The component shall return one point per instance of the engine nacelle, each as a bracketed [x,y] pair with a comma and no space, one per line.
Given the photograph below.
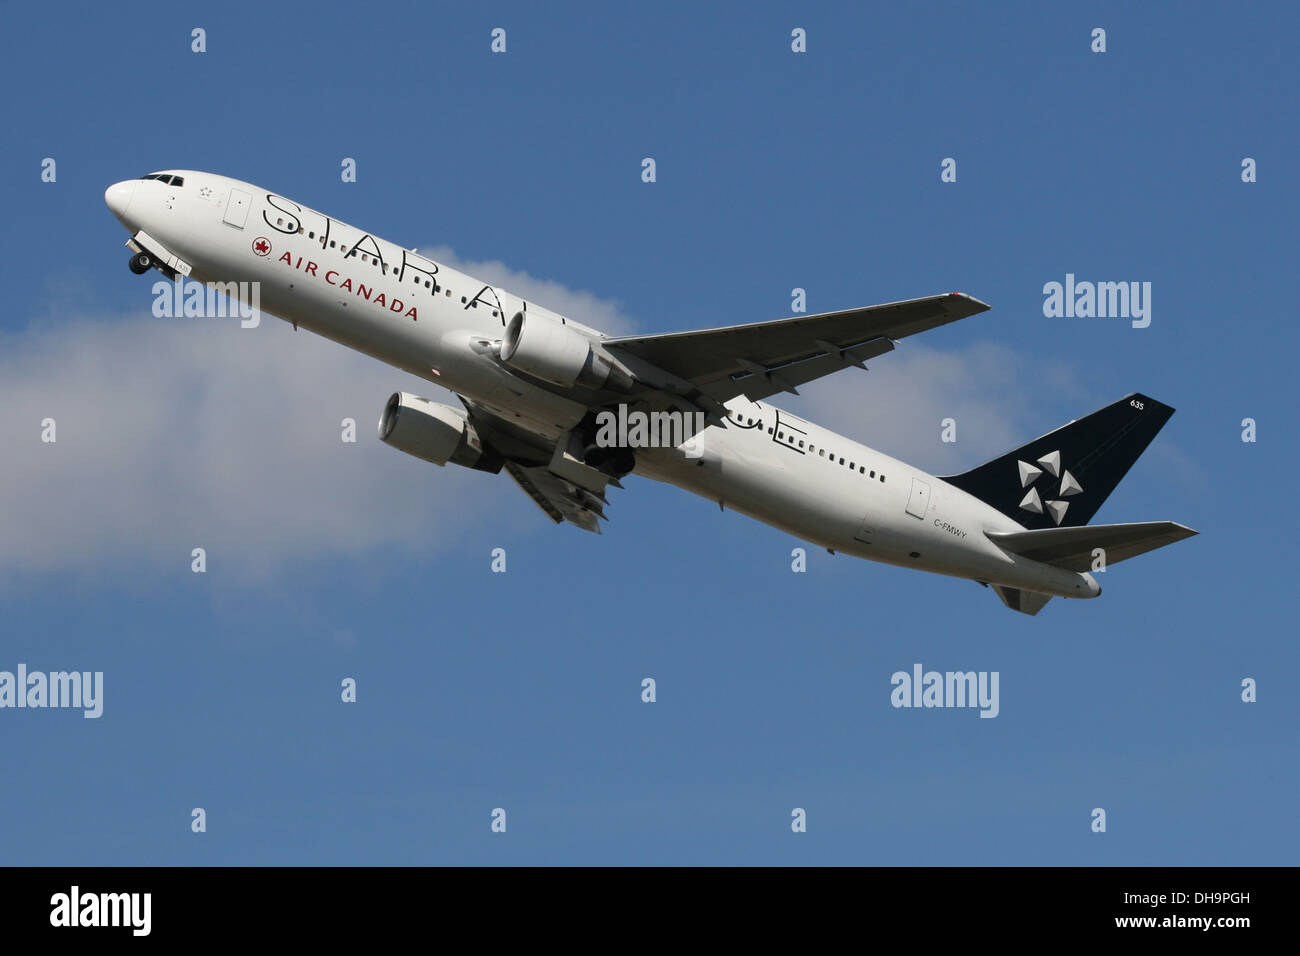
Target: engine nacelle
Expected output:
[434,432]
[555,353]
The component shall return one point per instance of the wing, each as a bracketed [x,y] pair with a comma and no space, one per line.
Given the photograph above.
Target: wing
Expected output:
[563,487]
[764,358]
[561,499]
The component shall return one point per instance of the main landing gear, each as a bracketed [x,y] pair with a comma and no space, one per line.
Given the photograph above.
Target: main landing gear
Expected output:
[140,263]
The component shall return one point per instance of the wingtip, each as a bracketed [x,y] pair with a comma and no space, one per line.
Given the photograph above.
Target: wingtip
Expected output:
[980,305]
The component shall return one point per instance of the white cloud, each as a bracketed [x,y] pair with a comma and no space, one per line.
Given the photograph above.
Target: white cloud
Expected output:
[182,433]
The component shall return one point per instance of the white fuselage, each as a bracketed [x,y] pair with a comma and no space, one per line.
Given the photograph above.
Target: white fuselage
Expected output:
[435,322]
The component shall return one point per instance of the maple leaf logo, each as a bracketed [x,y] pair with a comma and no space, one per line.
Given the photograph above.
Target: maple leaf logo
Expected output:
[1056,506]
[261,246]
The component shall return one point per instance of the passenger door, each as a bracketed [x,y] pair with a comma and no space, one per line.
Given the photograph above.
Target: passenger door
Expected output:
[919,500]
[237,207]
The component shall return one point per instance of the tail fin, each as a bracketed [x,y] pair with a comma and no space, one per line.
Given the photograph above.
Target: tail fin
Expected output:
[1062,478]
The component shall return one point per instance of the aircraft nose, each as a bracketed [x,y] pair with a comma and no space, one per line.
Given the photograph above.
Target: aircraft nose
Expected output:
[118,197]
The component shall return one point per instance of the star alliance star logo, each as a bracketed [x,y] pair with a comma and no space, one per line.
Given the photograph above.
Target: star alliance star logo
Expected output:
[1029,474]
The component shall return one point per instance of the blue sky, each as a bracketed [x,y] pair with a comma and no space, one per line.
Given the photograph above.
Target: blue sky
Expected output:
[521,690]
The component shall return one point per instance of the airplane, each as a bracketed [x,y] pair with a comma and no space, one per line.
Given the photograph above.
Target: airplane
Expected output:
[568,411]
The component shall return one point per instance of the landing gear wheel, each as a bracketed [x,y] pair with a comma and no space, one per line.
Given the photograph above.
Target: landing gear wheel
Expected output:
[141,263]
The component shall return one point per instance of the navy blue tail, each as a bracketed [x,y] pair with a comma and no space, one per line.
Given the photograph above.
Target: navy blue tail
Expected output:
[1061,479]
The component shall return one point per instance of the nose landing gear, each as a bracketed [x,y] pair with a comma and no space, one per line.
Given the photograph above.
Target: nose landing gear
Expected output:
[140,263]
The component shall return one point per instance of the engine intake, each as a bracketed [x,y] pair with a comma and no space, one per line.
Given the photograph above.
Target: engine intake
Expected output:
[434,432]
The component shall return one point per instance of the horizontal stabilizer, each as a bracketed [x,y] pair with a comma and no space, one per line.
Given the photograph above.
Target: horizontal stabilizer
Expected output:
[1072,548]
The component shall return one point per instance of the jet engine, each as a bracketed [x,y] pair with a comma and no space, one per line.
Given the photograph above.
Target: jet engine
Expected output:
[552,351]
[434,432]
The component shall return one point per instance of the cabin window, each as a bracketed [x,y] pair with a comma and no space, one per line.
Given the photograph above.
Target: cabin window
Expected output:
[873,473]
[462,300]
[769,431]
[851,466]
[331,243]
[822,453]
[311,235]
[841,461]
[801,444]
[882,477]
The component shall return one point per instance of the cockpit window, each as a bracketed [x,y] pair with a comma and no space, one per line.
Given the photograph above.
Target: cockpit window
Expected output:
[167,178]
